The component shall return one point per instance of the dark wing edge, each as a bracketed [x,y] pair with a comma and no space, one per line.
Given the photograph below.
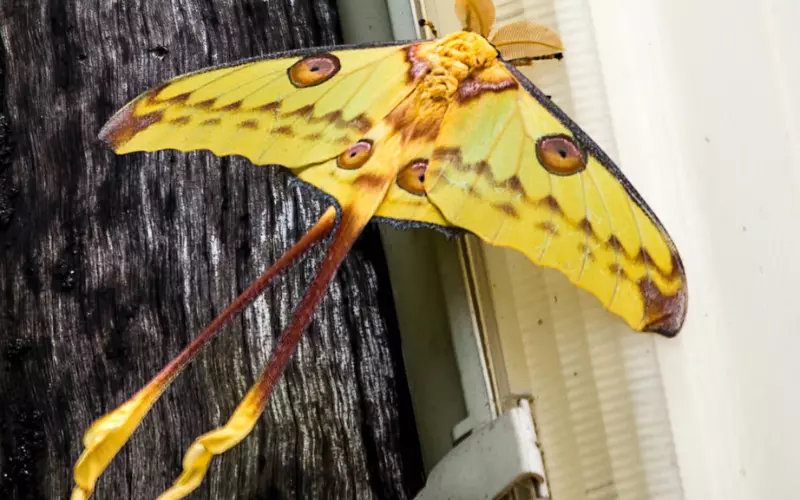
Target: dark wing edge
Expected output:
[673,308]
[105,134]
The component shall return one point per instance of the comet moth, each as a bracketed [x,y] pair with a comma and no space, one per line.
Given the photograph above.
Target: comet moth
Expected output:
[444,133]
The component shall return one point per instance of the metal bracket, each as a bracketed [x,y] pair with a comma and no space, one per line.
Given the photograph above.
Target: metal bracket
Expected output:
[490,462]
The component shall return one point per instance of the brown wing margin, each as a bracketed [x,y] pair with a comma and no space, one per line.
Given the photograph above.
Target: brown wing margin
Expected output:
[674,308]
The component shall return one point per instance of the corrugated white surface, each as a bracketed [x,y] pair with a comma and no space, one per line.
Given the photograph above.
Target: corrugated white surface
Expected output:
[706,103]
[700,104]
[600,406]
[599,403]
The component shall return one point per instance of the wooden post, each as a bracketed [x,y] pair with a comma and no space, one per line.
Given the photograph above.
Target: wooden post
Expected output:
[109,265]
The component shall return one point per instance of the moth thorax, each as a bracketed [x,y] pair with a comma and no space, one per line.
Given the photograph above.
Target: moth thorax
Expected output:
[469,50]
[453,60]
[440,84]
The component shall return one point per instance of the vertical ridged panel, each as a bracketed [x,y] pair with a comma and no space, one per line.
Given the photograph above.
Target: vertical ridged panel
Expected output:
[599,402]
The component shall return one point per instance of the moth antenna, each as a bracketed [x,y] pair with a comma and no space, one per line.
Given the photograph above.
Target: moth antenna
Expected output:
[557,56]
[109,433]
[425,23]
[528,61]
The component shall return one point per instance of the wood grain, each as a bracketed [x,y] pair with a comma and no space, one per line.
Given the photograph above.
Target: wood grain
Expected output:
[110,265]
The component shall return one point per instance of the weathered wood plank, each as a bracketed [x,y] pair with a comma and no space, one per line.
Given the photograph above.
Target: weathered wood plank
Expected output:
[110,265]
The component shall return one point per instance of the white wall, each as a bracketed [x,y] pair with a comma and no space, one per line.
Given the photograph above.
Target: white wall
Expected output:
[705,103]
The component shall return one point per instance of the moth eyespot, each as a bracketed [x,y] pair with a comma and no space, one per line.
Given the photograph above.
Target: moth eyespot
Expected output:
[355,155]
[313,70]
[560,154]
[411,178]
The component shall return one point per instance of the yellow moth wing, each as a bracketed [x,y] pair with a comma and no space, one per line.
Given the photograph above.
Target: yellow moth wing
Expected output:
[287,109]
[400,205]
[490,174]
[405,202]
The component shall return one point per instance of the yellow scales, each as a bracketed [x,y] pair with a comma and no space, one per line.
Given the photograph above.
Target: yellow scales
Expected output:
[438,133]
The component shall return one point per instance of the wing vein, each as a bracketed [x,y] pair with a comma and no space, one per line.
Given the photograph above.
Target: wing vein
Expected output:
[585,233]
[611,230]
[215,80]
[334,86]
[497,137]
[503,220]
[641,249]
[247,82]
[476,177]
[200,131]
[265,61]
[548,238]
